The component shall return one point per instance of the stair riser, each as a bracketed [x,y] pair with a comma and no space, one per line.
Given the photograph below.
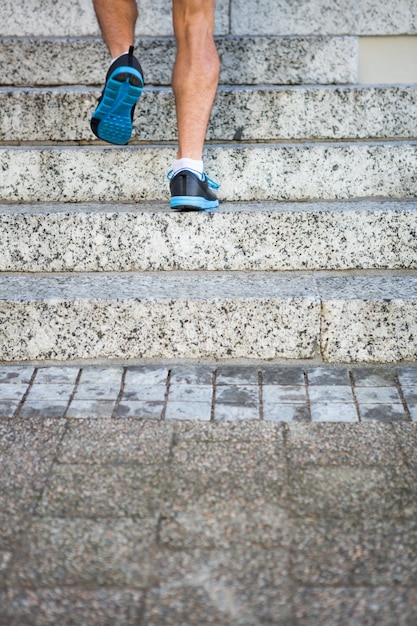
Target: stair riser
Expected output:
[245,114]
[266,239]
[270,172]
[296,60]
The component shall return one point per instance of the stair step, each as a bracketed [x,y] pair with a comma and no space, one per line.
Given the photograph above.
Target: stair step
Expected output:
[264,236]
[247,172]
[220,315]
[244,60]
[245,113]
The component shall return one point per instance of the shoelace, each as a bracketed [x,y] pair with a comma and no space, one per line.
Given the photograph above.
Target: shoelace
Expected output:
[211,183]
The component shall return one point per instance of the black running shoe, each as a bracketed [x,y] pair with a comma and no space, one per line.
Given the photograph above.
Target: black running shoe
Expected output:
[189,193]
[112,120]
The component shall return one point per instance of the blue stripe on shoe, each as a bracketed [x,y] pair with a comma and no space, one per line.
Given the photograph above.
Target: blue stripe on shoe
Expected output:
[114,112]
[193,202]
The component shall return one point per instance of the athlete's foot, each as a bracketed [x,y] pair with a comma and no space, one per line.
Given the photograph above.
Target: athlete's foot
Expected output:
[113,118]
[190,193]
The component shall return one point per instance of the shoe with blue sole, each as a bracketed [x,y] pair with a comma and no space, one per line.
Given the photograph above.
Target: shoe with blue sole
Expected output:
[190,193]
[112,121]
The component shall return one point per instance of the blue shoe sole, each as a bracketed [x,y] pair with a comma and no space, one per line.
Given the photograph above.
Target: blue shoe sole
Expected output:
[113,117]
[192,203]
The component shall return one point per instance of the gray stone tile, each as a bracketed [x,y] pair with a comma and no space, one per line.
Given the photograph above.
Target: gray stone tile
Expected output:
[190,410]
[16,374]
[116,441]
[8,408]
[91,408]
[44,409]
[410,395]
[374,376]
[62,552]
[335,492]
[331,393]
[56,374]
[345,444]
[145,375]
[97,375]
[332,412]
[13,391]
[243,395]
[234,412]
[377,395]
[140,409]
[382,412]
[96,391]
[50,391]
[237,375]
[413,411]
[144,393]
[283,376]
[286,412]
[328,376]
[407,376]
[192,375]
[331,606]
[288,394]
[71,607]
[190,393]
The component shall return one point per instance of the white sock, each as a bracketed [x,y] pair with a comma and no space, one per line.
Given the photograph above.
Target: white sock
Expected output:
[192,165]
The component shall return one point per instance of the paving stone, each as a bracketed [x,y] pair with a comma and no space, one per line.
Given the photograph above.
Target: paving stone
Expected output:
[90,408]
[325,376]
[223,524]
[335,492]
[8,408]
[242,395]
[191,375]
[96,391]
[288,394]
[144,393]
[357,445]
[377,395]
[13,391]
[406,435]
[96,375]
[255,432]
[44,409]
[283,376]
[140,409]
[382,412]
[349,606]
[374,377]
[116,442]
[16,374]
[241,585]
[407,376]
[190,393]
[331,394]
[413,411]
[89,491]
[49,391]
[235,375]
[16,506]
[142,375]
[410,394]
[286,412]
[188,410]
[57,553]
[71,607]
[56,374]
[332,412]
[235,412]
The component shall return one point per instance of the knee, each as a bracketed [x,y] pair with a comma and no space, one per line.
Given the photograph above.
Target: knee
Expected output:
[193,19]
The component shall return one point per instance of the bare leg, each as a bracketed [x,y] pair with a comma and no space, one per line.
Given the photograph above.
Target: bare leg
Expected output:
[117,20]
[196,73]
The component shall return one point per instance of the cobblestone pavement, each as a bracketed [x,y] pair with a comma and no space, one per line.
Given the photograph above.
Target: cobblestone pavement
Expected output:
[153,496]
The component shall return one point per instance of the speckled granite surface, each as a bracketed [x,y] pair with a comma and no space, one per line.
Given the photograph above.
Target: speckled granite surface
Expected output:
[269,236]
[77,18]
[242,113]
[287,17]
[244,60]
[203,315]
[245,172]
[148,315]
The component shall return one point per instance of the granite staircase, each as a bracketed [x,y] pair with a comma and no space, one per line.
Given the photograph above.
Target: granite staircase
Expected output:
[313,253]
